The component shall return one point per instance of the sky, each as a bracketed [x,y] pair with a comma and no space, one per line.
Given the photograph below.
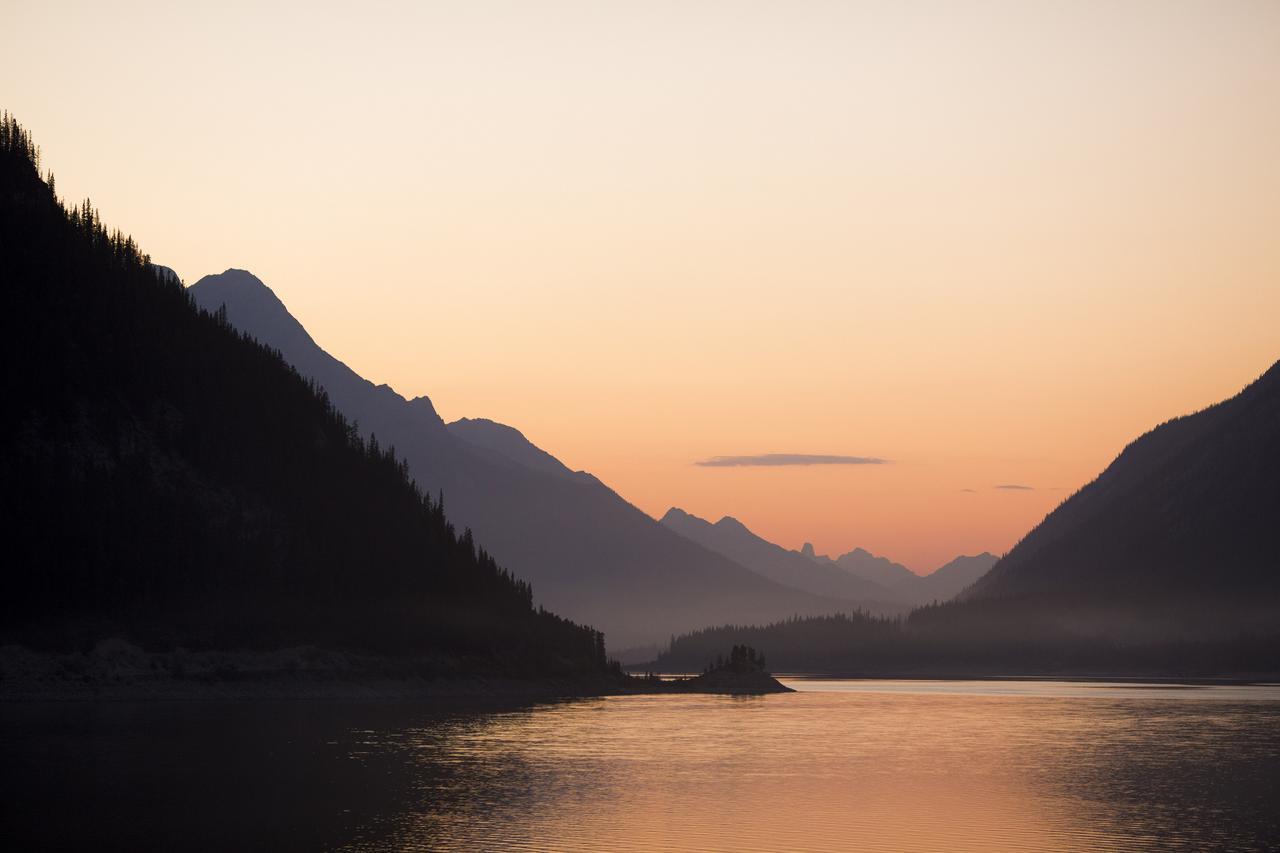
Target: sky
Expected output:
[970,245]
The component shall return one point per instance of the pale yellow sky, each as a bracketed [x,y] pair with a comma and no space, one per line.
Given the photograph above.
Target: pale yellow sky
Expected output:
[990,241]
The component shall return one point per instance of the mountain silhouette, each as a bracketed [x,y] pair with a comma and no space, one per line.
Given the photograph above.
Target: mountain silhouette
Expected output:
[170,482]
[949,580]
[879,570]
[1176,541]
[589,554]
[730,537]
[879,584]
[509,443]
[941,584]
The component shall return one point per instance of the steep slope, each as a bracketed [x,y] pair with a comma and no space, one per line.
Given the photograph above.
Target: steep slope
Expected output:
[510,444]
[1176,539]
[730,537]
[589,554]
[168,481]
[947,581]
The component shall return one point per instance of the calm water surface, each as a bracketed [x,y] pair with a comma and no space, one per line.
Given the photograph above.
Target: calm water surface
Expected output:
[868,765]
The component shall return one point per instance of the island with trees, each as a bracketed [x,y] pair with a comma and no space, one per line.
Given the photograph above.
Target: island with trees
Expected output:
[742,673]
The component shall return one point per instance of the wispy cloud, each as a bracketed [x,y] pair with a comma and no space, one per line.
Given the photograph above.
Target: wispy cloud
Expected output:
[970,491]
[779,459]
[1014,487]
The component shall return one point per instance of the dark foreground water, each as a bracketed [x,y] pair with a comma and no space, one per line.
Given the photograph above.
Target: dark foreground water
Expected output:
[865,765]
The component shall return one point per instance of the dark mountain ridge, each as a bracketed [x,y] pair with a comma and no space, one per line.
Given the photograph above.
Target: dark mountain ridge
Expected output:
[588,553]
[1177,539]
[1174,543]
[174,483]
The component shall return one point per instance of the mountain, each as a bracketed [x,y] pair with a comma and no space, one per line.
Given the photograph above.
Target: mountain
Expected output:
[904,585]
[588,553]
[807,550]
[879,584]
[1176,541]
[947,581]
[510,444]
[730,537]
[878,570]
[170,482]
[942,584]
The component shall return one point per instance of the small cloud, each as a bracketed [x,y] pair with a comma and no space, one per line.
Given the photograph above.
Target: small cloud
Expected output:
[970,491]
[778,459]
[1014,487]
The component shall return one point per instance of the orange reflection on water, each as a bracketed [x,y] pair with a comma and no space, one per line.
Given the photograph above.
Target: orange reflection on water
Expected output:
[884,766]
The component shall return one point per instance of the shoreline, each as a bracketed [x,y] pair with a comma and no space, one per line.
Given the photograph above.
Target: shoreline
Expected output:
[118,671]
[473,690]
[1244,680]
[1234,680]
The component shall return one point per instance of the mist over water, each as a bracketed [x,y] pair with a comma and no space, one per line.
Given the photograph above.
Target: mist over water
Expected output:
[871,765]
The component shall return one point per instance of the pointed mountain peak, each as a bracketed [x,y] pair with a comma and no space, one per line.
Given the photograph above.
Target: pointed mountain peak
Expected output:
[251,307]
[675,514]
[241,284]
[424,406]
[254,308]
[731,523]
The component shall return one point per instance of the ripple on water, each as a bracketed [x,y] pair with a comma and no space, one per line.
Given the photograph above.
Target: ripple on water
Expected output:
[858,765]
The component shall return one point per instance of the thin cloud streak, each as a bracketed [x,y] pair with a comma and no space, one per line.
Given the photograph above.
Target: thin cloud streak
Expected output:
[769,460]
[1014,487]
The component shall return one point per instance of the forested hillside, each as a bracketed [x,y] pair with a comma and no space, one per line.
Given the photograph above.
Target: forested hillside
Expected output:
[165,479]
[590,555]
[1177,540]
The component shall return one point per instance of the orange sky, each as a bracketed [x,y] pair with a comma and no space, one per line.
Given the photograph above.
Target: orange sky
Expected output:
[990,242]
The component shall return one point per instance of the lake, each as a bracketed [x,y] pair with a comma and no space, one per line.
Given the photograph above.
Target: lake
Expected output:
[867,765]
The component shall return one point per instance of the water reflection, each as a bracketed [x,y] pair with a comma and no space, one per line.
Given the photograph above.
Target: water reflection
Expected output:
[840,765]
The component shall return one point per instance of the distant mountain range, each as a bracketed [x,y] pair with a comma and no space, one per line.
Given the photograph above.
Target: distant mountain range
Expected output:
[1168,564]
[730,537]
[942,584]
[589,554]
[883,586]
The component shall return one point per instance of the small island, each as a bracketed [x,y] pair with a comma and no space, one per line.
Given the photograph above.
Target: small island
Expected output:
[742,673]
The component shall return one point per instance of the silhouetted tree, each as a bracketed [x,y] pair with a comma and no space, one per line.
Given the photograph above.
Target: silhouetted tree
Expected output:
[170,480]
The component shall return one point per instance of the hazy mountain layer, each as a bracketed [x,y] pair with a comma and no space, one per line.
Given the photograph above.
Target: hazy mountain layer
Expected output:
[730,537]
[588,553]
[879,570]
[882,586]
